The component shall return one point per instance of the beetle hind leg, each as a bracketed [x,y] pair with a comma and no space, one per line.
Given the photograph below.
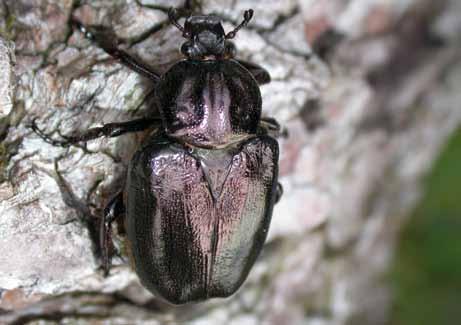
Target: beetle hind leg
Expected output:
[278,193]
[270,126]
[115,210]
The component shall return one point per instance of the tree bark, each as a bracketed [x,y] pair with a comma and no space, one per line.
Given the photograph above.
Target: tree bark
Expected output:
[367,90]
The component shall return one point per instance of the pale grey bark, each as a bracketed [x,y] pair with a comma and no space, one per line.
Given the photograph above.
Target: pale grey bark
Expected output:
[368,90]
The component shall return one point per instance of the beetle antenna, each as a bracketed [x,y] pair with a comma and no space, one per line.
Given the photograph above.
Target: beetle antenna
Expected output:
[173,17]
[246,19]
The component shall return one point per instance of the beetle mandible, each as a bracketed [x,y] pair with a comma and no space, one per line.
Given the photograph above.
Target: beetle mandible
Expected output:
[200,190]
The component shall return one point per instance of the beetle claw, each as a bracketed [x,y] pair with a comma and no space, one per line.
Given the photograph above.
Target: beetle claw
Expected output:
[46,137]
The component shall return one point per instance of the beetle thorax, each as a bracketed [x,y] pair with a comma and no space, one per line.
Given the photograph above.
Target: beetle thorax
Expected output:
[209,103]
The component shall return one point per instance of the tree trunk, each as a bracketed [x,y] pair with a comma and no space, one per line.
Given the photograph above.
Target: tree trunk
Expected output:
[367,90]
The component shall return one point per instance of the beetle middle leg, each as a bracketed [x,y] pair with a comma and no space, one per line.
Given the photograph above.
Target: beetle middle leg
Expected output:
[270,126]
[115,210]
[107,130]
[259,73]
[273,128]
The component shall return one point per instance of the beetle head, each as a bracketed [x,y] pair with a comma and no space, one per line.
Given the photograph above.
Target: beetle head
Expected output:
[205,36]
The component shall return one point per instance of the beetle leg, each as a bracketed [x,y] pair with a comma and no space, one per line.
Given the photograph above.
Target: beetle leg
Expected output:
[107,130]
[106,41]
[278,192]
[270,126]
[259,73]
[114,210]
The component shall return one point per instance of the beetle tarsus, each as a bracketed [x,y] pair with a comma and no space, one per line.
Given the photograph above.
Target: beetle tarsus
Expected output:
[114,210]
[82,29]
[84,214]
[46,137]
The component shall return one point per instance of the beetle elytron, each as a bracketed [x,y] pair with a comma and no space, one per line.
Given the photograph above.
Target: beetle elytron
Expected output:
[200,191]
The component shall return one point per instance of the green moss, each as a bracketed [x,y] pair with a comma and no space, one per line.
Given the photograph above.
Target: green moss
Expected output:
[427,271]
[8,31]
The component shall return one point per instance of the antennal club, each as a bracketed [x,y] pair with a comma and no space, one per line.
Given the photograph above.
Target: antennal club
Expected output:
[173,17]
[246,19]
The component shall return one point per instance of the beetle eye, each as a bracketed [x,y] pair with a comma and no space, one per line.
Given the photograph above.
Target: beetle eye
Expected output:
[230,50]
[185,49]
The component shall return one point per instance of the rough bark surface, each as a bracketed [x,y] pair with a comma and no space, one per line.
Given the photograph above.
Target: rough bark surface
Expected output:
[368,90]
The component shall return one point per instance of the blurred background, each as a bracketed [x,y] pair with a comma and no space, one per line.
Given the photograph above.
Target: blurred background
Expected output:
[426,274]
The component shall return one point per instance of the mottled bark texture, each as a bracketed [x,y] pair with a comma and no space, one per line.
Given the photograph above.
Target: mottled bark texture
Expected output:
[368,91]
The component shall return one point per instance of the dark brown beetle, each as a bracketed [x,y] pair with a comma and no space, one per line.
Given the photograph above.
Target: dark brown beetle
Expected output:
[201,189]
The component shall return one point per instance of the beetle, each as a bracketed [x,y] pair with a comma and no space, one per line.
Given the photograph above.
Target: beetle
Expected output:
[200,190]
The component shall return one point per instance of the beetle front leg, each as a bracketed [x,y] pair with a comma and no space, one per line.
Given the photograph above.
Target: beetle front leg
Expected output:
[106,41]
[107,130]
[190,5]
[113,211]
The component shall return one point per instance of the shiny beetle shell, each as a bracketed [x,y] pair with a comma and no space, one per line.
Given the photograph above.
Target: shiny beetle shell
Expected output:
[197,219]
[209,103]
[200,197]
